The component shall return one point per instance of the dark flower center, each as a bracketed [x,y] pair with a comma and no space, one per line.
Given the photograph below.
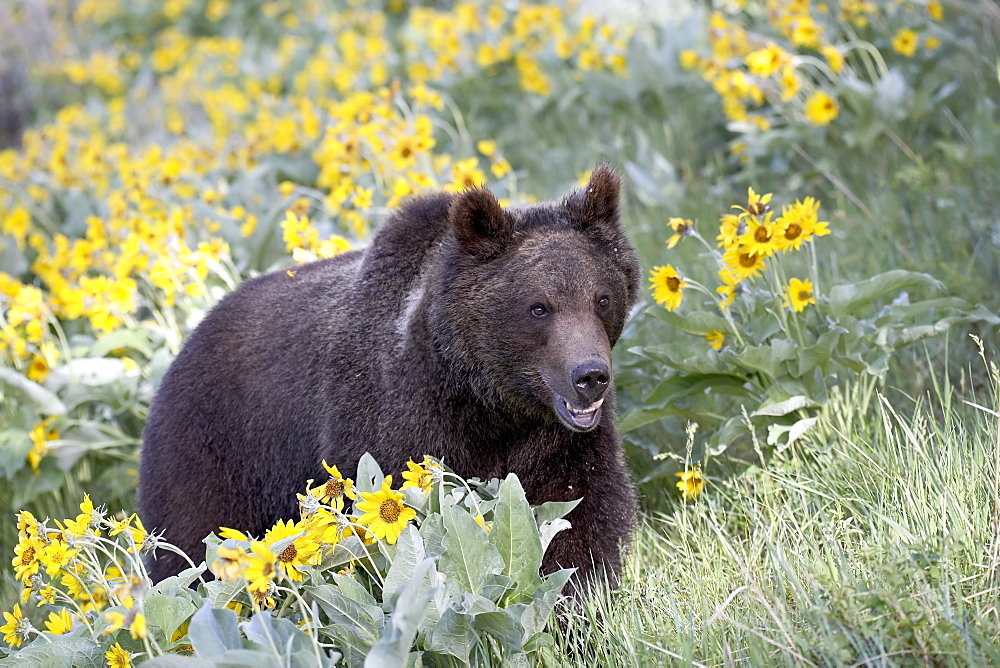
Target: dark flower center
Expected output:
[389,511]
[747,260]
[793,231]
[762,235]
[28,556]
[288,554]
[804,295]
[673,283]
[333,488]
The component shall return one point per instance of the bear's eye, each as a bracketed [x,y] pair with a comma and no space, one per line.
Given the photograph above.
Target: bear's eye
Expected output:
[604,301]
[539,310]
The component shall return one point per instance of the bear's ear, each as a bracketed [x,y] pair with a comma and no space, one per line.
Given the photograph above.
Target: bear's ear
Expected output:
[479,224]
[596,206]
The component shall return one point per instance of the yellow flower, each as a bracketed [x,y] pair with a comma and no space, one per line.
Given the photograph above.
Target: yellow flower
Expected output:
[118,657]
[799,294]
[259,569]
[935,10]
[691,482]
[905,42]
[729,230]
[756,204]
[17,628]
[821,108]
[131,619]
[228,565]
[765,62]
[932,43]
[759,238]
[420,475]
[716,339]
[56,555]
[59,623]
[333,491]
[681,228]
[303,551]
[799,223]
[384,512]
[667,286]
[833,57]
[741,264]
[26,554]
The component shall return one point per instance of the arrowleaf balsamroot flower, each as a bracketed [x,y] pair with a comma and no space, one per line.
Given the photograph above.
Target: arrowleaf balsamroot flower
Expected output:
[741,264]
[681,228]
[667,286]
[821,108]
[59,623]
[799,294]
[17,628]
[421,475]
[303,551]
[756,204]
[759,239]
[259,568]
[691,482]
[334,490]
[384,512]
[117,657]
[716,339]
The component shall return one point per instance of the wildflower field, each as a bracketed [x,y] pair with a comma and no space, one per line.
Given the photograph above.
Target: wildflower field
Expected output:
[808,391]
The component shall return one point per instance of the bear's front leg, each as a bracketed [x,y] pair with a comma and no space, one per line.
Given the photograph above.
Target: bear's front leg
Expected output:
[602,525]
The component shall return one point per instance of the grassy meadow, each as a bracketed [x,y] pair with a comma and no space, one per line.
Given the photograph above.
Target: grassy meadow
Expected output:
[808,390]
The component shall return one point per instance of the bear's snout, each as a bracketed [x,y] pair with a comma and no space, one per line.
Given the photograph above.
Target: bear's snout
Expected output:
[591,380]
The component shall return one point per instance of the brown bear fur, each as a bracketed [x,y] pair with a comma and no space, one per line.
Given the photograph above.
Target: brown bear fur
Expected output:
[458,333]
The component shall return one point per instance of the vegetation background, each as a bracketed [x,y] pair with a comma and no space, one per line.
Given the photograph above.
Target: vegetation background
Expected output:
[837,503]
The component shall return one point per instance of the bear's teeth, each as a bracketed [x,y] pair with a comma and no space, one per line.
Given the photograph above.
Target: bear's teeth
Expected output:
[584,411]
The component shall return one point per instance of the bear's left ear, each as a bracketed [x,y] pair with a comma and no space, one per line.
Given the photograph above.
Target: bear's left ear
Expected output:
[596,206]
[479,224]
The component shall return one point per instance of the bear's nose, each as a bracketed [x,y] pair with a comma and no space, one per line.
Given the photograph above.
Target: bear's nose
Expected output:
[591,380]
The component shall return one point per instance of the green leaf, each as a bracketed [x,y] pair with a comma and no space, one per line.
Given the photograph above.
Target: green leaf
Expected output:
[409,553]
[393,648]
[45,401]
[15,444]
[369,477]
[553,510]
[515,535]
[136,339]
[818,353]
[177,661]
[61,652]
[468,555]
[341,609]
[268,632]
[767,359]
[168,613]
[543,602]
[698,323]
[503,626]
[679,385]
[852,297]
[213,631]
[640,417]
[432,533]
[784,407]
[453,635]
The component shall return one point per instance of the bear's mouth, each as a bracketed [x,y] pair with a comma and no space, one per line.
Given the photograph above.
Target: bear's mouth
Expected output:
[577,418]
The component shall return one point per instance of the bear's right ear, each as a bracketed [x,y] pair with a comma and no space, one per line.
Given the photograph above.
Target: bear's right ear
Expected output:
[596,206]
[479,224]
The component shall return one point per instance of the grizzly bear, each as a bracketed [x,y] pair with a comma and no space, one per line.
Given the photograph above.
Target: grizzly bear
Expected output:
[474,333]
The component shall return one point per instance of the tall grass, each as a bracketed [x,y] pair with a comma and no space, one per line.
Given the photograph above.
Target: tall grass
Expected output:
[874,543]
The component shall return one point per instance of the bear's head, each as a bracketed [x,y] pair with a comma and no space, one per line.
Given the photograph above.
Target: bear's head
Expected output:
[535,298]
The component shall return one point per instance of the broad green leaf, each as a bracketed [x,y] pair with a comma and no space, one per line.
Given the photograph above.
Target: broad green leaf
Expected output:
[213,631]
[136,339]
[369,620]
[698,323]
[369,476]
[168,613]
[707,362]
[453,635]
[852,297]
[793,431]
[818,353]
[468,555]
[14,447]
[679,385]
[409,553]
[543,601]
[177,661]
[515,535]
[432,533]
[503,626]
[784,407]
[412,604]
[767,359]
[640,417]
[553,510]
[59,653]
[268,632]
[45,401]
